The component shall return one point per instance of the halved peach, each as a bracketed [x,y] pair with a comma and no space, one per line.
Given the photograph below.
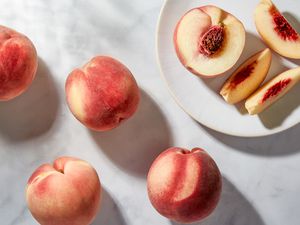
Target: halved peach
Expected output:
[247,78]
[272,91]
[209,40]
[276,31]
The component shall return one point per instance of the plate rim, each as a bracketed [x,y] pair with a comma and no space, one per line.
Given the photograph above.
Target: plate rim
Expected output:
[174,97]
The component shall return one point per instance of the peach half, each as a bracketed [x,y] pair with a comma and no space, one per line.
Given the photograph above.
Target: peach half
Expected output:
[102,94]
[18,63]
[183,185]
[209,40]
[272,91]
[276,31]
[247,78]
[65,193]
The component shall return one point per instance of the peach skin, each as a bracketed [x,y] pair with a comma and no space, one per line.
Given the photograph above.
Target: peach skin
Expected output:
[102,94]
[183,185]
[18,63]
[65,193]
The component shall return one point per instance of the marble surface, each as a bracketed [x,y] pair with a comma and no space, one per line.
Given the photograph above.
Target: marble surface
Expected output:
[261,175]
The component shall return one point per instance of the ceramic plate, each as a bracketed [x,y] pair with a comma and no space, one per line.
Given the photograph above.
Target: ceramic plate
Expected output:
[199,97]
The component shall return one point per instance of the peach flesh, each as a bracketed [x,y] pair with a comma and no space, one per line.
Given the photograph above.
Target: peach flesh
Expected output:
[247,78]
[242,75]
[102,94]
[276,31]
[208,40]
[184,185]
[276,89]
[272,91]
[18,63]
[282,26]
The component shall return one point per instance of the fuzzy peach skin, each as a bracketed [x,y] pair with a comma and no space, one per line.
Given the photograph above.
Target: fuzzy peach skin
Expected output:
[65,193]
[102,94]
[183,185]
[18,63]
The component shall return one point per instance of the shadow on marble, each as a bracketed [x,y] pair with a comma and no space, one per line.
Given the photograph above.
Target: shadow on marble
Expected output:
[136,143]
[109,213]
[276,145]
[233,209]
[32,113]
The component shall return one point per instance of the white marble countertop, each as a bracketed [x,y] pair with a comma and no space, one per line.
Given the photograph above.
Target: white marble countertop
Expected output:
[261,175]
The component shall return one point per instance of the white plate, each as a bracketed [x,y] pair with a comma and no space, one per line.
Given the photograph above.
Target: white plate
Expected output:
[199,97]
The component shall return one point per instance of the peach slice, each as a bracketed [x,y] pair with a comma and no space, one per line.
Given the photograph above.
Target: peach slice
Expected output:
[276,31]
[272,91]
[247,78]
[208,40]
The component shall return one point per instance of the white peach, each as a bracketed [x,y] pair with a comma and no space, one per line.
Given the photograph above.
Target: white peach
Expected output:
[65,193]
[208,40]
[184,185]
[102,94]
[276,31]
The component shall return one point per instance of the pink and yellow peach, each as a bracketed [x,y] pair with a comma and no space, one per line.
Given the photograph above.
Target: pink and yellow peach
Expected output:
[18,63]
[65,193]
[102,94]
[184,185]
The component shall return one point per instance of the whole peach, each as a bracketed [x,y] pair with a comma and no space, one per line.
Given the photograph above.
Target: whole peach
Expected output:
[18,63]
[183,185]
[65,193]
[102,94]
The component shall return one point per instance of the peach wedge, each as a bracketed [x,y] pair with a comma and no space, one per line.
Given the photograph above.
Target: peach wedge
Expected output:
[276,31]
[209,41]
[272,91]
[18,63]
[247,78]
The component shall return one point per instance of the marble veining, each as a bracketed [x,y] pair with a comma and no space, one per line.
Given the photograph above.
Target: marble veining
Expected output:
[261,175]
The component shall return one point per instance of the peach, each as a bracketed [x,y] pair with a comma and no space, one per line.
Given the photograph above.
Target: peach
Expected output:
[247,78]
[184,185]
[208,40]
[272,91]
[102,94]
[276,31]
[18,63]
[65,193]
